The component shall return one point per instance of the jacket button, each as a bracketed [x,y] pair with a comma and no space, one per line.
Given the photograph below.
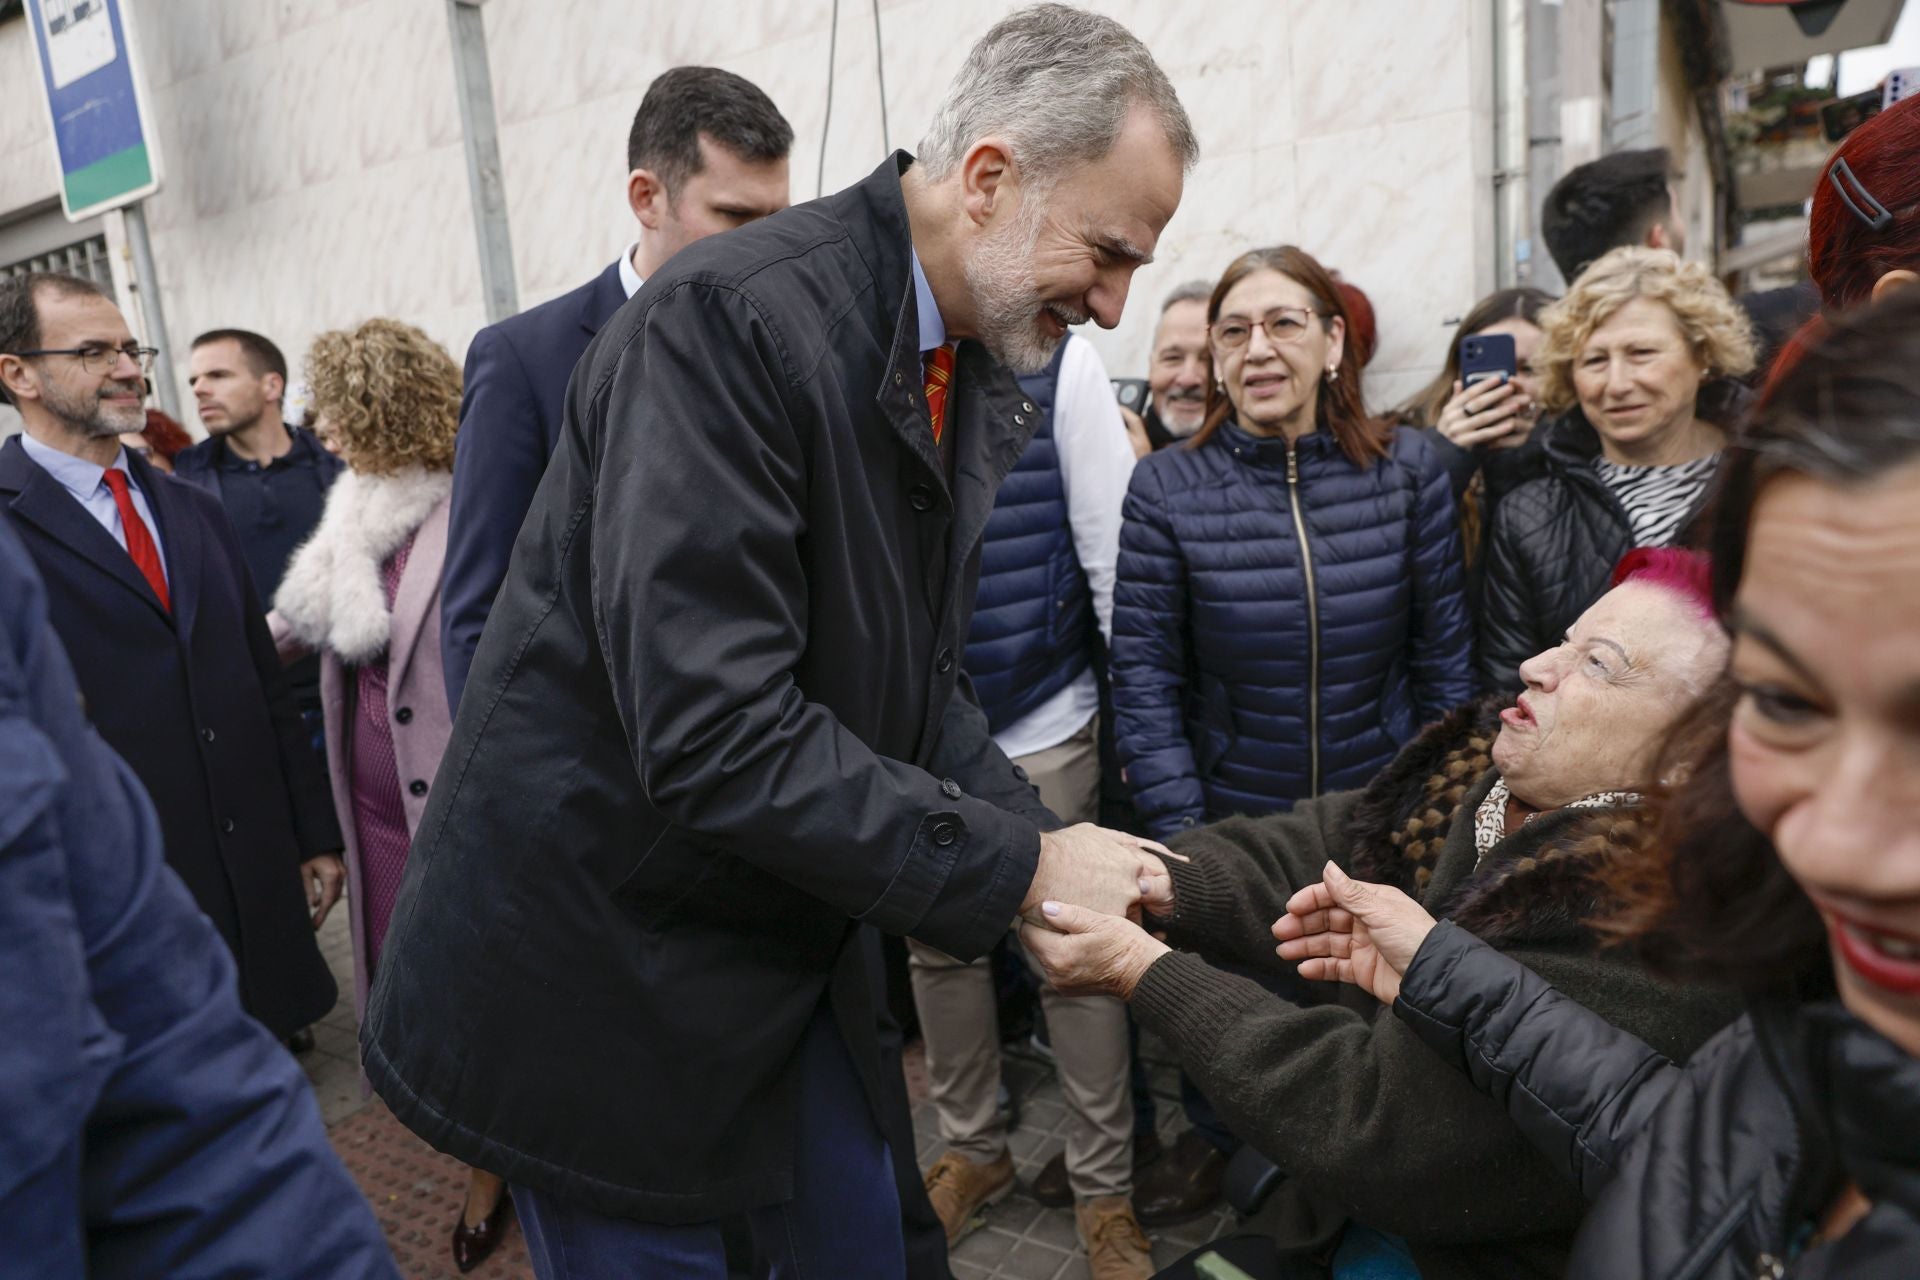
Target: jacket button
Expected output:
[944,663]
[1019,419]
[404,715]
[1188,822]
[1027,405]
[226,826]
[899,378]
[206,735]
[945,834]
[950,789]
[1019,773]
[417,787]
[920,498]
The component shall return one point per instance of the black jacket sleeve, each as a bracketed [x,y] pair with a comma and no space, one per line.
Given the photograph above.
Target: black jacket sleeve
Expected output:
[968,754]
[1577,1086]
[499,456]
[700,600]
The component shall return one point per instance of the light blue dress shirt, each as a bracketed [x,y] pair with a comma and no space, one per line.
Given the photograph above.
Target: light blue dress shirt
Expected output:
[86,481]
[933,330]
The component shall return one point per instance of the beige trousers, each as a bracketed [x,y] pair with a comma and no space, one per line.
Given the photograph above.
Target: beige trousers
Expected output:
[1089,1035]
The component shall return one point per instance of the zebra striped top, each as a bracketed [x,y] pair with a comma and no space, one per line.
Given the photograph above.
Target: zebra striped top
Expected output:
[1658,500]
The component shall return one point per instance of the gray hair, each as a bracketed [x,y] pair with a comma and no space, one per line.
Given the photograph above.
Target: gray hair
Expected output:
[1058,83]
[1191,291]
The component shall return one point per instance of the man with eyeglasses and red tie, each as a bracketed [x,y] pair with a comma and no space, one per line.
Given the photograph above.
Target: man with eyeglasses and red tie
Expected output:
[150,594]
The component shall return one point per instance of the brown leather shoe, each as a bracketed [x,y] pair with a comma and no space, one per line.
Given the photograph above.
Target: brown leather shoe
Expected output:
[1117,1248]
[474,1245]
[960,1189]
[1053,1189]
[1181,1185]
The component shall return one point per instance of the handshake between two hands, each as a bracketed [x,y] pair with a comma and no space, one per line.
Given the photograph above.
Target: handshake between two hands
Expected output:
[1082,918]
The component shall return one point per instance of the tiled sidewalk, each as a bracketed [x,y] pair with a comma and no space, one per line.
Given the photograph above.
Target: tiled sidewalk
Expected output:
[414,1191]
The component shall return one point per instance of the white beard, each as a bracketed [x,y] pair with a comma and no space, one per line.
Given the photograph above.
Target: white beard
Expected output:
[1006,302]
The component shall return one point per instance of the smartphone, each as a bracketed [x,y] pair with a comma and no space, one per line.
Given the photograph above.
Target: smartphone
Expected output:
[1487,355]
[1131,393]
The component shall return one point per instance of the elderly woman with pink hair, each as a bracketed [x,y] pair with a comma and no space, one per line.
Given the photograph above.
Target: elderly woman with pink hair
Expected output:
[1504,816]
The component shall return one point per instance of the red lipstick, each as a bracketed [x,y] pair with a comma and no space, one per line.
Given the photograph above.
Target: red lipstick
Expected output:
[1888,961]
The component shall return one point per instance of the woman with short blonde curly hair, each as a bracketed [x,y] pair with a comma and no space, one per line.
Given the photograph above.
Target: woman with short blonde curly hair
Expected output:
[1637,362]
[364,592]
[390,396]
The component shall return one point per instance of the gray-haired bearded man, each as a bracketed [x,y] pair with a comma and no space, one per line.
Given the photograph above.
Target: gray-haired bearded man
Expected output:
[716,724]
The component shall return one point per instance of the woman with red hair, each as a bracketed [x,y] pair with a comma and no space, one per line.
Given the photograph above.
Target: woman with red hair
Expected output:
[1863,237]
[1863,233]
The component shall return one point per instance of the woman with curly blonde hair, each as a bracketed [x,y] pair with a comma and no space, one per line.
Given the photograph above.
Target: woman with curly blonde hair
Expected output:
[364,593]
[1635,362]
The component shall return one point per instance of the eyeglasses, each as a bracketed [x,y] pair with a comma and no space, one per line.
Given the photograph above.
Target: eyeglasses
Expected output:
[99,358]
[1284,325]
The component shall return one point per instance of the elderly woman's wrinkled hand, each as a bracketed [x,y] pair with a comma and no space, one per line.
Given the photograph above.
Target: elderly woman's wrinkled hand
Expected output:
[1347,930]
[1087,953]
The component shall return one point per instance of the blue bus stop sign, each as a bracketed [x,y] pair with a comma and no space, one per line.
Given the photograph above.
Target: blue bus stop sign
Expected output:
[108,156]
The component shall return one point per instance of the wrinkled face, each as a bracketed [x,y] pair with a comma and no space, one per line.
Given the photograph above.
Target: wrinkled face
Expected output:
[230,392]
[1177,372]
[1067,254]
[728,192]
[1273,383]
[107,401]
[1636,376]
[1598,707]
[1526,345]
[1825,741]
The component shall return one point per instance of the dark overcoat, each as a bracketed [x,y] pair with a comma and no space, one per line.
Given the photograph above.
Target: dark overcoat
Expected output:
[715,720]
[196,702]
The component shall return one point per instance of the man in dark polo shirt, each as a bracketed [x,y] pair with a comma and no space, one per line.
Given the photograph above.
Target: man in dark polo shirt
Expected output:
[271,478]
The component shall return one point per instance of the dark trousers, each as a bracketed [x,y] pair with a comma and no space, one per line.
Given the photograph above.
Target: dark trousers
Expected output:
[843,1220]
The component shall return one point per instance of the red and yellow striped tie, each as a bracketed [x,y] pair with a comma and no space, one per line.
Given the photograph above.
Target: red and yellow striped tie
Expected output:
[939,375]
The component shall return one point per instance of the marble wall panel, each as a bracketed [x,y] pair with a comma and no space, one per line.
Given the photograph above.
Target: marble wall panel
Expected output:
[181,38]
[1393,209]
[1369,62]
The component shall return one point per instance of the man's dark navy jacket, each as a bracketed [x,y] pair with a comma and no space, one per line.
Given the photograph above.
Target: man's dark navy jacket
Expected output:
[516,386]
[151,1128]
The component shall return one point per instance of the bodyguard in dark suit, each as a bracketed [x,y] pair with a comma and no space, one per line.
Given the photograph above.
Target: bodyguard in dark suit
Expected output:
[707,153]
[717,722]
[151,597]
[151,1128]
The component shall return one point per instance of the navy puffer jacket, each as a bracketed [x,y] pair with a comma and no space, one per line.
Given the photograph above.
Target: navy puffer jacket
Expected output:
[1248,675]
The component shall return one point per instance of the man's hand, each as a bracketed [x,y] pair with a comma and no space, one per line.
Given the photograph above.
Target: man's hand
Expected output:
[1346,930]
[323,876]
[1084,953]
[1106,871]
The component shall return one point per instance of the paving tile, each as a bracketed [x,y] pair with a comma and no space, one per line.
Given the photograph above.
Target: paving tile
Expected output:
[1055,1227]
[987,1247]
[1030,1261]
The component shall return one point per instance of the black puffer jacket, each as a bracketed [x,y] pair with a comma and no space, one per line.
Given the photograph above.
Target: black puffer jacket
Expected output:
[1719,1170]
[1553,541]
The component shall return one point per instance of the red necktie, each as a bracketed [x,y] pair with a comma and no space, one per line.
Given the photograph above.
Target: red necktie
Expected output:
[146,556]
[939,374]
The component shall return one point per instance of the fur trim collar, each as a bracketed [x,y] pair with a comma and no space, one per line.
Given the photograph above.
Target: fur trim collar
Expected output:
[332,596]
[1538,884]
